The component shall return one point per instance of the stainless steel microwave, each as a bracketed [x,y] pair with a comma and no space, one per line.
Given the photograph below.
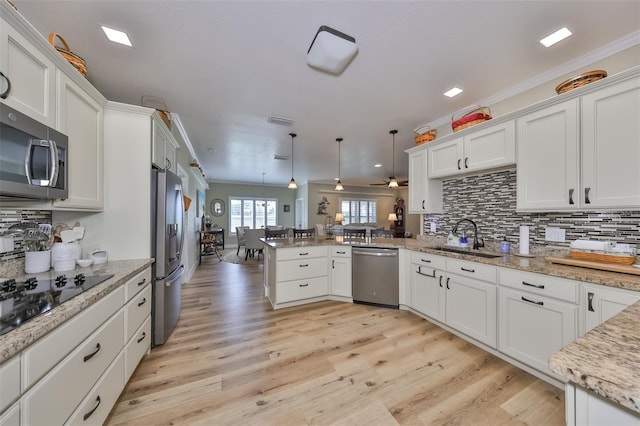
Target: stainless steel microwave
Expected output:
[33,158]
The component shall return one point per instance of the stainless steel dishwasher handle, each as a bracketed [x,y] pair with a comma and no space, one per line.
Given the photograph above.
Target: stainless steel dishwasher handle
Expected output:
[376,254]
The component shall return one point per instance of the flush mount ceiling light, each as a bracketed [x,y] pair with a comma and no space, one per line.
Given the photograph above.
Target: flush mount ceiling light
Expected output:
[116,36]
[557,36]
[339,186]
[331,50]
[393,182]
[453,92]
[292,182]
[282,121]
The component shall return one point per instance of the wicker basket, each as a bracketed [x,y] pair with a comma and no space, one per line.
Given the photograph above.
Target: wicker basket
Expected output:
[425,134]
[580,80]
[75,60]
[159,105]
[603,257]
[471,118]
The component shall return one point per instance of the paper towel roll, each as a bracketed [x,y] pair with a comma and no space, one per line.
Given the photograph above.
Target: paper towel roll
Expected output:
[524,240]
[591,245]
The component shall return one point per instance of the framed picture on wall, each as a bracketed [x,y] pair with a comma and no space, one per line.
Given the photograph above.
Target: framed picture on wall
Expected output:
[199,203]
[287,208]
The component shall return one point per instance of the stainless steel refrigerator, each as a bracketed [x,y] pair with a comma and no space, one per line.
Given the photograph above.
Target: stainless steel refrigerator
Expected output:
[167,238]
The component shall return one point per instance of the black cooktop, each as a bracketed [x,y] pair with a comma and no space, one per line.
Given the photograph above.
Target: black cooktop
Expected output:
[22,300]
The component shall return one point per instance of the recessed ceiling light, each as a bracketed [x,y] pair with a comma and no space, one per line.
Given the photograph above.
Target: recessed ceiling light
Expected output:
[377,165]
[453,92]
[117,36]
[559,35]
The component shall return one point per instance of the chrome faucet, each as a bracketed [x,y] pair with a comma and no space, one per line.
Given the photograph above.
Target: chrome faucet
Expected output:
[476,244]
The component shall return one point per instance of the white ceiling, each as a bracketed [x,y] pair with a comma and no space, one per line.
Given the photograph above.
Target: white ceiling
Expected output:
[225,66]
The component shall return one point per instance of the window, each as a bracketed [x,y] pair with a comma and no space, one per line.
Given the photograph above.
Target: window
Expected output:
[252,212]
[358,211]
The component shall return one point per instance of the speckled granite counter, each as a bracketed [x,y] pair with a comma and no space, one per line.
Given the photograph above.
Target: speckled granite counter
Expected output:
[533,264]
[606,360]
[16,340]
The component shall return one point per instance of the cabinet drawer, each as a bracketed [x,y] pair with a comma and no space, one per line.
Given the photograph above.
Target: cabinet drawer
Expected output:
[47,352]
[546,285]
[11,417]
[136,311]
[137,347]
[9,382]
[303,268]
[341,251]
[301,253]
[472,269]
[56,396]
[301,289]
[95,408]
[137,283]
[428,259]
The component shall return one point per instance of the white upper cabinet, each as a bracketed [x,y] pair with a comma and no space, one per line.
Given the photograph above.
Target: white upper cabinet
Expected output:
[81,118]
[164,146]
[611,146]
[583,153]
[425,195]
[547,171]
[488,148]
[31,73]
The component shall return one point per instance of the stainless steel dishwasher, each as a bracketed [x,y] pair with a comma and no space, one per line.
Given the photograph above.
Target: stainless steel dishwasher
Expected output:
[375,276]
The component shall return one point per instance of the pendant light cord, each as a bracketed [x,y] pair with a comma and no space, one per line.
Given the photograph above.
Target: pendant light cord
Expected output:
[393,153]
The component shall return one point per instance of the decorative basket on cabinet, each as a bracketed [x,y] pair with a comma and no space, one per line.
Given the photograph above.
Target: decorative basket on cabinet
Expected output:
[425,134]
[580,80]
[75,60]
[475,116]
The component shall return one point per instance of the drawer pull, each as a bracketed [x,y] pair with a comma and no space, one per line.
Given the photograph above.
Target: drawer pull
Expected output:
[144,334]
[93,410]
[92,354]
[571,196]
[532,301]
[586,196]
[303,265]
[341,252]
[144,280]
[468,270]
[590,298]
[540,286]
[419,271]
[144,300]
[303,285]
[333,264]
[425,260]
[303,254]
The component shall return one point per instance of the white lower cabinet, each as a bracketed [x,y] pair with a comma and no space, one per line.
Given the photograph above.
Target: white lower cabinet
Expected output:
[9,382]
[137,346]
[340,271]
[602,303]
[586,408]
[427,291]
[11,417]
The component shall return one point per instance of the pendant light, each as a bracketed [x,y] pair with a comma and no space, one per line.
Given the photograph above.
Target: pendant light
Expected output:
[339,186]
[292,182]
[393,182]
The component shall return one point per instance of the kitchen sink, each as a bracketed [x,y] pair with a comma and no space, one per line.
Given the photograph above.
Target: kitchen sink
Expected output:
[468,252]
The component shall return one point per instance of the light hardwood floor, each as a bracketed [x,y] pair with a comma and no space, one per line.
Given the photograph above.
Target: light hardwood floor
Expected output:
[232,360]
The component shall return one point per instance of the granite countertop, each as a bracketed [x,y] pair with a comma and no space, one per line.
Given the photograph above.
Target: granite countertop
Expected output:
[606,360]
[429,245]
[16,340]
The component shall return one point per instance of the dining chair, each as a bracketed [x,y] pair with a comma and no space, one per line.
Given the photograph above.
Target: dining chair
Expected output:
[253,242]
[320,230]
[381,233]
[304,233]
[242,238]
[354,233]
[272,234]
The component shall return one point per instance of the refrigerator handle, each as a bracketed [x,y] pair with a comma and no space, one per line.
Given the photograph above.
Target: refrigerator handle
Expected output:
[181,219]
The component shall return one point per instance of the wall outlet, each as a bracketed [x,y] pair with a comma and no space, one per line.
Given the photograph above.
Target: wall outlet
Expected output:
[432,227]
[6,244]
[554,234]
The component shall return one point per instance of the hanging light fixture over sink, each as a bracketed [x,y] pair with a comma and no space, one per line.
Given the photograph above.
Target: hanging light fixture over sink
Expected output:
[292,182]
[393,182]
[339,186]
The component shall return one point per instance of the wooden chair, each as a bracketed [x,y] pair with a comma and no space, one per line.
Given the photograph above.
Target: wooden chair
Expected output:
[242,238]
[354,233]
[273,234]
[304,233]
[253,242]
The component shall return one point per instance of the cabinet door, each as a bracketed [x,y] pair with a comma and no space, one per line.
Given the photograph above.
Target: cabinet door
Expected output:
[533,327]
[445,159]
[32,76]
[425,195]
[81,118]
[548,156]
[427,291]
[471,308]
[611,147]
[341,276]
[490,148]
[157,147]
[592,409]
[601,304]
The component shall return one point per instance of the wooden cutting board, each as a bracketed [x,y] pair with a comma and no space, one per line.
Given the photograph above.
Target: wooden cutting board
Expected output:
[612,267]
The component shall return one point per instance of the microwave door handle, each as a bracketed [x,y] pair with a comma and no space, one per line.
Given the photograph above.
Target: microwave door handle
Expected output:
[53,156]
[28,160]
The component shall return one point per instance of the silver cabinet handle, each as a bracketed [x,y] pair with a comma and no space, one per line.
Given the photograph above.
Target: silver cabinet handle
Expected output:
[540,286]
[144,300]
[144,334]
[586,195]
[590,298]
[93,410]
[532,301]
[571,196]
[92,354]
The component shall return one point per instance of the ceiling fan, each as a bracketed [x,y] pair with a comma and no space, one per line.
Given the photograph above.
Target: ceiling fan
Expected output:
[393,182]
